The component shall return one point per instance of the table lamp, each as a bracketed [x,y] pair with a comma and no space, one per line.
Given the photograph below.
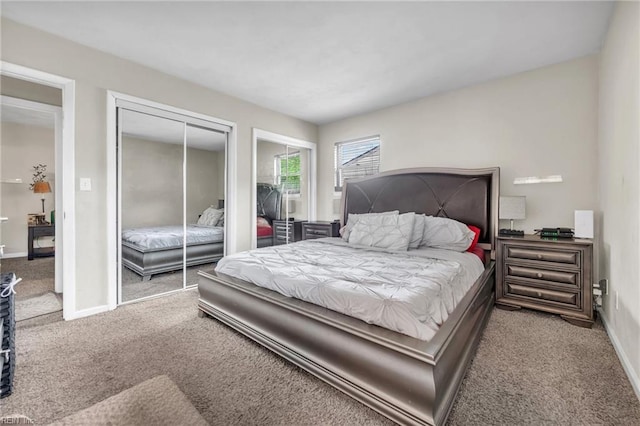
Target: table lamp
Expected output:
[41,188]
[512,208]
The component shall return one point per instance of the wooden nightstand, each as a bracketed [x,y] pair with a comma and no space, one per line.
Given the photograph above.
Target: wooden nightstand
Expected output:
[548,275]
[320,229]
[287,231]
[35,231]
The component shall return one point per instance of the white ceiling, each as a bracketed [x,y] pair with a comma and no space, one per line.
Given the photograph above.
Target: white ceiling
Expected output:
[326,61]
[149,127]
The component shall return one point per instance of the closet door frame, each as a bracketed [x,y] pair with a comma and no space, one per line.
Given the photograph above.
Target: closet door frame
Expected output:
[259,134]
[116,100]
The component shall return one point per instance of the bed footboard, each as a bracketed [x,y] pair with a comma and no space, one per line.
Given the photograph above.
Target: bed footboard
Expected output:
[407,380]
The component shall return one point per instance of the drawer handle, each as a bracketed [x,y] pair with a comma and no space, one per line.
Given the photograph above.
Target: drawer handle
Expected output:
[539,256]
[539,294]
[539,275]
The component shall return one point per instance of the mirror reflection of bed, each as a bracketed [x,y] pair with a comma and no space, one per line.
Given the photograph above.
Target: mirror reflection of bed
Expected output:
[171,181]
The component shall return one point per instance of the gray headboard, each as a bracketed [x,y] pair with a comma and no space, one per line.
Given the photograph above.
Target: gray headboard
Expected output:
[468,195]
[269,201]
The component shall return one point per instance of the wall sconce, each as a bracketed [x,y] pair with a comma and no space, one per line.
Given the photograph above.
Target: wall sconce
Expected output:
[537,179]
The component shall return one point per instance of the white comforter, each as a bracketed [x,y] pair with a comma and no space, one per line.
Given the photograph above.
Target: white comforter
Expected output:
[161,237]
[409,292]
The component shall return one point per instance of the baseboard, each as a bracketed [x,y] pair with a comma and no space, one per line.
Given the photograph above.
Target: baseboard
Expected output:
[87,312]
[12,255]
[626,364]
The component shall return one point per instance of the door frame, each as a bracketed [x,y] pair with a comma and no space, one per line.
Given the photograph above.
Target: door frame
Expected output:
[259,134]
[113,204]
[65,231]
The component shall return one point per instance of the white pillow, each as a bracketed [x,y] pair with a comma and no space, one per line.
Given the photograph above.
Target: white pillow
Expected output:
[210,217]
[392,232]
[353,218]
[418,231]
[445,233]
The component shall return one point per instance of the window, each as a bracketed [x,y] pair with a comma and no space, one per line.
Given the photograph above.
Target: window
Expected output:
[355,159]
[287,172]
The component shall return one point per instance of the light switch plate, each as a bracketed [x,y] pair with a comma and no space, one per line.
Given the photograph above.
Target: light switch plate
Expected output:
[85,184]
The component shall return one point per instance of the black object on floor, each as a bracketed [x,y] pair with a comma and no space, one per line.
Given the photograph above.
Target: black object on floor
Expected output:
[7,334]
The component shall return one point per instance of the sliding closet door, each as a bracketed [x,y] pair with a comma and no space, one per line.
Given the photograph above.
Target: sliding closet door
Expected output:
[151,151]
[204,191]
[284,170]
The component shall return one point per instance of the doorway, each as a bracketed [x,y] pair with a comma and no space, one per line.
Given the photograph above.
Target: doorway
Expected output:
[32,89]
[171,197]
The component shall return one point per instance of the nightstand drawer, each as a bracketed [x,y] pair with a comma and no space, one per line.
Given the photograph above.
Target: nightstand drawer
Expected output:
[572,278]
[311,230]
[543,294]
[568,257]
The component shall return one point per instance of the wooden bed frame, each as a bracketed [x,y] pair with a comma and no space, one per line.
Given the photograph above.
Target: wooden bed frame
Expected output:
[407,380]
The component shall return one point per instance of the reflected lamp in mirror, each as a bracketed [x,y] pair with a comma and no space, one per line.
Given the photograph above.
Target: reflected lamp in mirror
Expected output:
[291,206]
[41,188]
[512,208]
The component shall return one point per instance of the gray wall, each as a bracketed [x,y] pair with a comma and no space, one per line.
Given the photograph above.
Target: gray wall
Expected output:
[152,190]
[22,89]
[537,123]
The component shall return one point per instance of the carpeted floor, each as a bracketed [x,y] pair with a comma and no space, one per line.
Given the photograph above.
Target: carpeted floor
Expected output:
[531,368]
[38,280]
[134,288]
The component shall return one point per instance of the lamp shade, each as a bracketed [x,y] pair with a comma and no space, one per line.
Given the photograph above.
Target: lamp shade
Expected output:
[41,187]
[512,208]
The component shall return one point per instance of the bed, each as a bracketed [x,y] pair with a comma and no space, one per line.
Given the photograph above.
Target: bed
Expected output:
[409,380]
[155,250]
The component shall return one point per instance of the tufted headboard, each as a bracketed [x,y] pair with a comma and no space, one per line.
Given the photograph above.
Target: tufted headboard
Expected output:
[269,201]
[467,195]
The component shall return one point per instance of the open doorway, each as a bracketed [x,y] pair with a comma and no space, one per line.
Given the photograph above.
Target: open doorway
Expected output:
[30,85]
[31,137]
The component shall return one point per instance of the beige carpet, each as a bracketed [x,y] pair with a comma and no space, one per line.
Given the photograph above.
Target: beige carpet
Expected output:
[157,401]
[36,306]
[531,368]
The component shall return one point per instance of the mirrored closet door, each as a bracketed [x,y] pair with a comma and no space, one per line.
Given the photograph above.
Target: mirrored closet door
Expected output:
[171,172]
[283,190]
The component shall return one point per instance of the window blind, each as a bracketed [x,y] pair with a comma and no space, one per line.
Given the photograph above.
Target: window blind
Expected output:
[356,159]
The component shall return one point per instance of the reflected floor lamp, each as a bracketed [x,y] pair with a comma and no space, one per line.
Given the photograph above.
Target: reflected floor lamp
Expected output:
[41,188]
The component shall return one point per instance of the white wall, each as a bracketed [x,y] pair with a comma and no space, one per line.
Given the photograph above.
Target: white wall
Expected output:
[24,146]
[95,73]
[541,122]
[619,181]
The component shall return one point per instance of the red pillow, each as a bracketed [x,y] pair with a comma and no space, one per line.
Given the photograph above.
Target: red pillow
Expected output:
[476,237]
